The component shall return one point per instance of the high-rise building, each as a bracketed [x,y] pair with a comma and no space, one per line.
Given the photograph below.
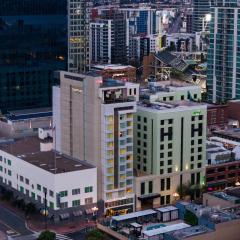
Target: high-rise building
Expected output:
[200,9]
[33,44]
[223,75]
[94,121]
[78,35]
[169,142]
[142,20]
[101,41]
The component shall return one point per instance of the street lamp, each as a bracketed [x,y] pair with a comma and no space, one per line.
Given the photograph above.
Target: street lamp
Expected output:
[94,210]
[44,212]
[237,184]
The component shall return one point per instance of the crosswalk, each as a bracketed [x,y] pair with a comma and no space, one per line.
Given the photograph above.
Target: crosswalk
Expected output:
[62,237]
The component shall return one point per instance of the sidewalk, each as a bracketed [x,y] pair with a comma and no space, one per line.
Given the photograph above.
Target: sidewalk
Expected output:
[36,223]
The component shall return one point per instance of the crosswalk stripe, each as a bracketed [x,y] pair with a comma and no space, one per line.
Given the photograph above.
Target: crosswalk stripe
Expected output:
[62,237]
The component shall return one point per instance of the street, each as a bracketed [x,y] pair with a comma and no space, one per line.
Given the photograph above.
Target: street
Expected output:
[11,224]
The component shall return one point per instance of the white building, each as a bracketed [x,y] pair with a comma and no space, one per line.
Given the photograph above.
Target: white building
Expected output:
[27,170]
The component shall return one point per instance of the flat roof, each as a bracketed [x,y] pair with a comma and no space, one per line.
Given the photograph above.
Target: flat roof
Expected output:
[29,113]
[28,149]
[188,232]
[112,66]
[161,105]
[133,215]
[233,133]
[166,209]
[161,230]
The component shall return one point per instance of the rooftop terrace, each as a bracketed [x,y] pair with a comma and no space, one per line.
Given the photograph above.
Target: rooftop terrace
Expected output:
[28,149]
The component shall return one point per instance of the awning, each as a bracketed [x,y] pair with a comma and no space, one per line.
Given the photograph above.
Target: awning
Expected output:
[77,213]
[64,216]
[89,211]
[149,196]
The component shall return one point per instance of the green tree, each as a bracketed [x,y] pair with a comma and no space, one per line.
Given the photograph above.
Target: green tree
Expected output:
[47,235]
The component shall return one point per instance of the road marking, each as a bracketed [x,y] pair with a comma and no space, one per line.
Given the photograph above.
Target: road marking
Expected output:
[11,229]
[62,237]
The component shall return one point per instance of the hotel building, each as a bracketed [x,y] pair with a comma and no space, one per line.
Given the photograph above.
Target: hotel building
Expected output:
[94,121]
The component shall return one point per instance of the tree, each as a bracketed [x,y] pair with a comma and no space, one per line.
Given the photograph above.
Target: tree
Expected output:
[47,235]
[30,208]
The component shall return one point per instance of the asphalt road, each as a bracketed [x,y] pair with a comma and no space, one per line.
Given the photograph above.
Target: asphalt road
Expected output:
[11,224]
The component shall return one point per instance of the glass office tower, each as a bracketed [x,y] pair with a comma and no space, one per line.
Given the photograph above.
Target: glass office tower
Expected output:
[223,76]
[33,44]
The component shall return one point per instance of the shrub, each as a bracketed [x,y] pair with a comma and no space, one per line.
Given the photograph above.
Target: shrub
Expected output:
[47,235]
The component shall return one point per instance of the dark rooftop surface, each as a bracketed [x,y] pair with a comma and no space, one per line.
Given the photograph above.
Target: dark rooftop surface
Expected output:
[232,133]
[28,149]
[29,113]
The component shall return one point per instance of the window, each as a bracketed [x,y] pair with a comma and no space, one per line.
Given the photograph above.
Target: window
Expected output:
[139,126]
[64,205]
[88,189]
[192,150]
[21,189]
[162,184]
[39,198]
[169,170]
[199,165]
[169,154]
[199,157]
[170,145]
[21,178]
[88,200]
[145,119]
[169,162]
[1,168]
[144,136]
[142,188]
[192,166]
[161,163]
[182,97]
[33,195]
[63,193]
[44,190]
[144,144]
[162,200]
[168,184]
[161,171]
[9,173]
[192,142]
[162,122]
[144,152]
[76,191]
[167,199]
[9,162]
[51,194]
[199,141]
[161,146]
[51,205]
[139,118]
[161,155]
[192,178]
[170,121]
[150,186]
[27,181]
[192,158]
[76,203]
[200,149]
[39,188]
